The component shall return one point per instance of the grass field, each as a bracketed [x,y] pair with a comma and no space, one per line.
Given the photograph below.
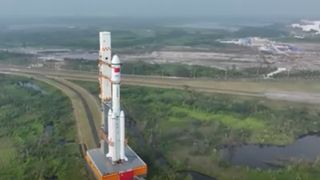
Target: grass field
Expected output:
[8,152]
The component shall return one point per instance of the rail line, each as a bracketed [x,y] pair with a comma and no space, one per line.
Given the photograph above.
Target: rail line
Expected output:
[87,109]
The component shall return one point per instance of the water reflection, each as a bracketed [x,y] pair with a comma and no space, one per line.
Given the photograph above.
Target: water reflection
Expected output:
[306,148]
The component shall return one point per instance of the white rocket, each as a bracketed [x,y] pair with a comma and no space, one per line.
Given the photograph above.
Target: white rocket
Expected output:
[110,79]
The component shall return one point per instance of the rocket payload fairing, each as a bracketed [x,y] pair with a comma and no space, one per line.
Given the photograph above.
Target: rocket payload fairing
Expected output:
[113,118]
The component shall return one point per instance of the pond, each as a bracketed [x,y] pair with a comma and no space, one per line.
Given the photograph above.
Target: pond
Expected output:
[306,148]
[32,86]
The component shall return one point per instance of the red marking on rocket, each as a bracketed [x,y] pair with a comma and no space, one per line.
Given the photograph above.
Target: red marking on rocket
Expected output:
[116,70]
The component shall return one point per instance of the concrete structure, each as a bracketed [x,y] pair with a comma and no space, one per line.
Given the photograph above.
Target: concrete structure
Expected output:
[308,26]
[278,71]
[114,160]
[264,45]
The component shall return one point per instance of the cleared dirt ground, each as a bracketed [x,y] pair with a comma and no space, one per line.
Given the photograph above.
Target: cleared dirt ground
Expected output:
[306,59]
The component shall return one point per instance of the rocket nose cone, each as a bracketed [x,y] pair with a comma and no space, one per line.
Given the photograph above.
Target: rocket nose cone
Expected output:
[115,59]
[121,114]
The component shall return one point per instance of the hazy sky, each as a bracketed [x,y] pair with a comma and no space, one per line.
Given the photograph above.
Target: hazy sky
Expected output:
[155,8]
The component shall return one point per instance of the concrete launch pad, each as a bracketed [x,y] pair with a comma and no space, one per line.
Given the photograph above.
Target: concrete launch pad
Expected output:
[105,170]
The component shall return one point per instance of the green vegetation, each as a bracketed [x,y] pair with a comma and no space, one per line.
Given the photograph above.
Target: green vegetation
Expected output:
[175,70]
[51,37]
[271,31]
[15,58]
[308,38]
[176,125]
[243,120]
[37,132]
[132,39]
[135,38]
[191,71]
[178,70]
[81,65]
[303,74]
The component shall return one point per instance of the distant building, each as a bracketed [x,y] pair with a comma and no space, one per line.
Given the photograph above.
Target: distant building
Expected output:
[308,26]
[264,45]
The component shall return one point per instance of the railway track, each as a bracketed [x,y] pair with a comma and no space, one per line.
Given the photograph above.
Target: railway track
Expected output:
[88,112]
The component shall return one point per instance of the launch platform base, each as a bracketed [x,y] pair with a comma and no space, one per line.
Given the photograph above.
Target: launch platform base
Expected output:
[104,169]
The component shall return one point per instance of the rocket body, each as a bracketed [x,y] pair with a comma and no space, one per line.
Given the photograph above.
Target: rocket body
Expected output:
[110,79]
[116,132]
